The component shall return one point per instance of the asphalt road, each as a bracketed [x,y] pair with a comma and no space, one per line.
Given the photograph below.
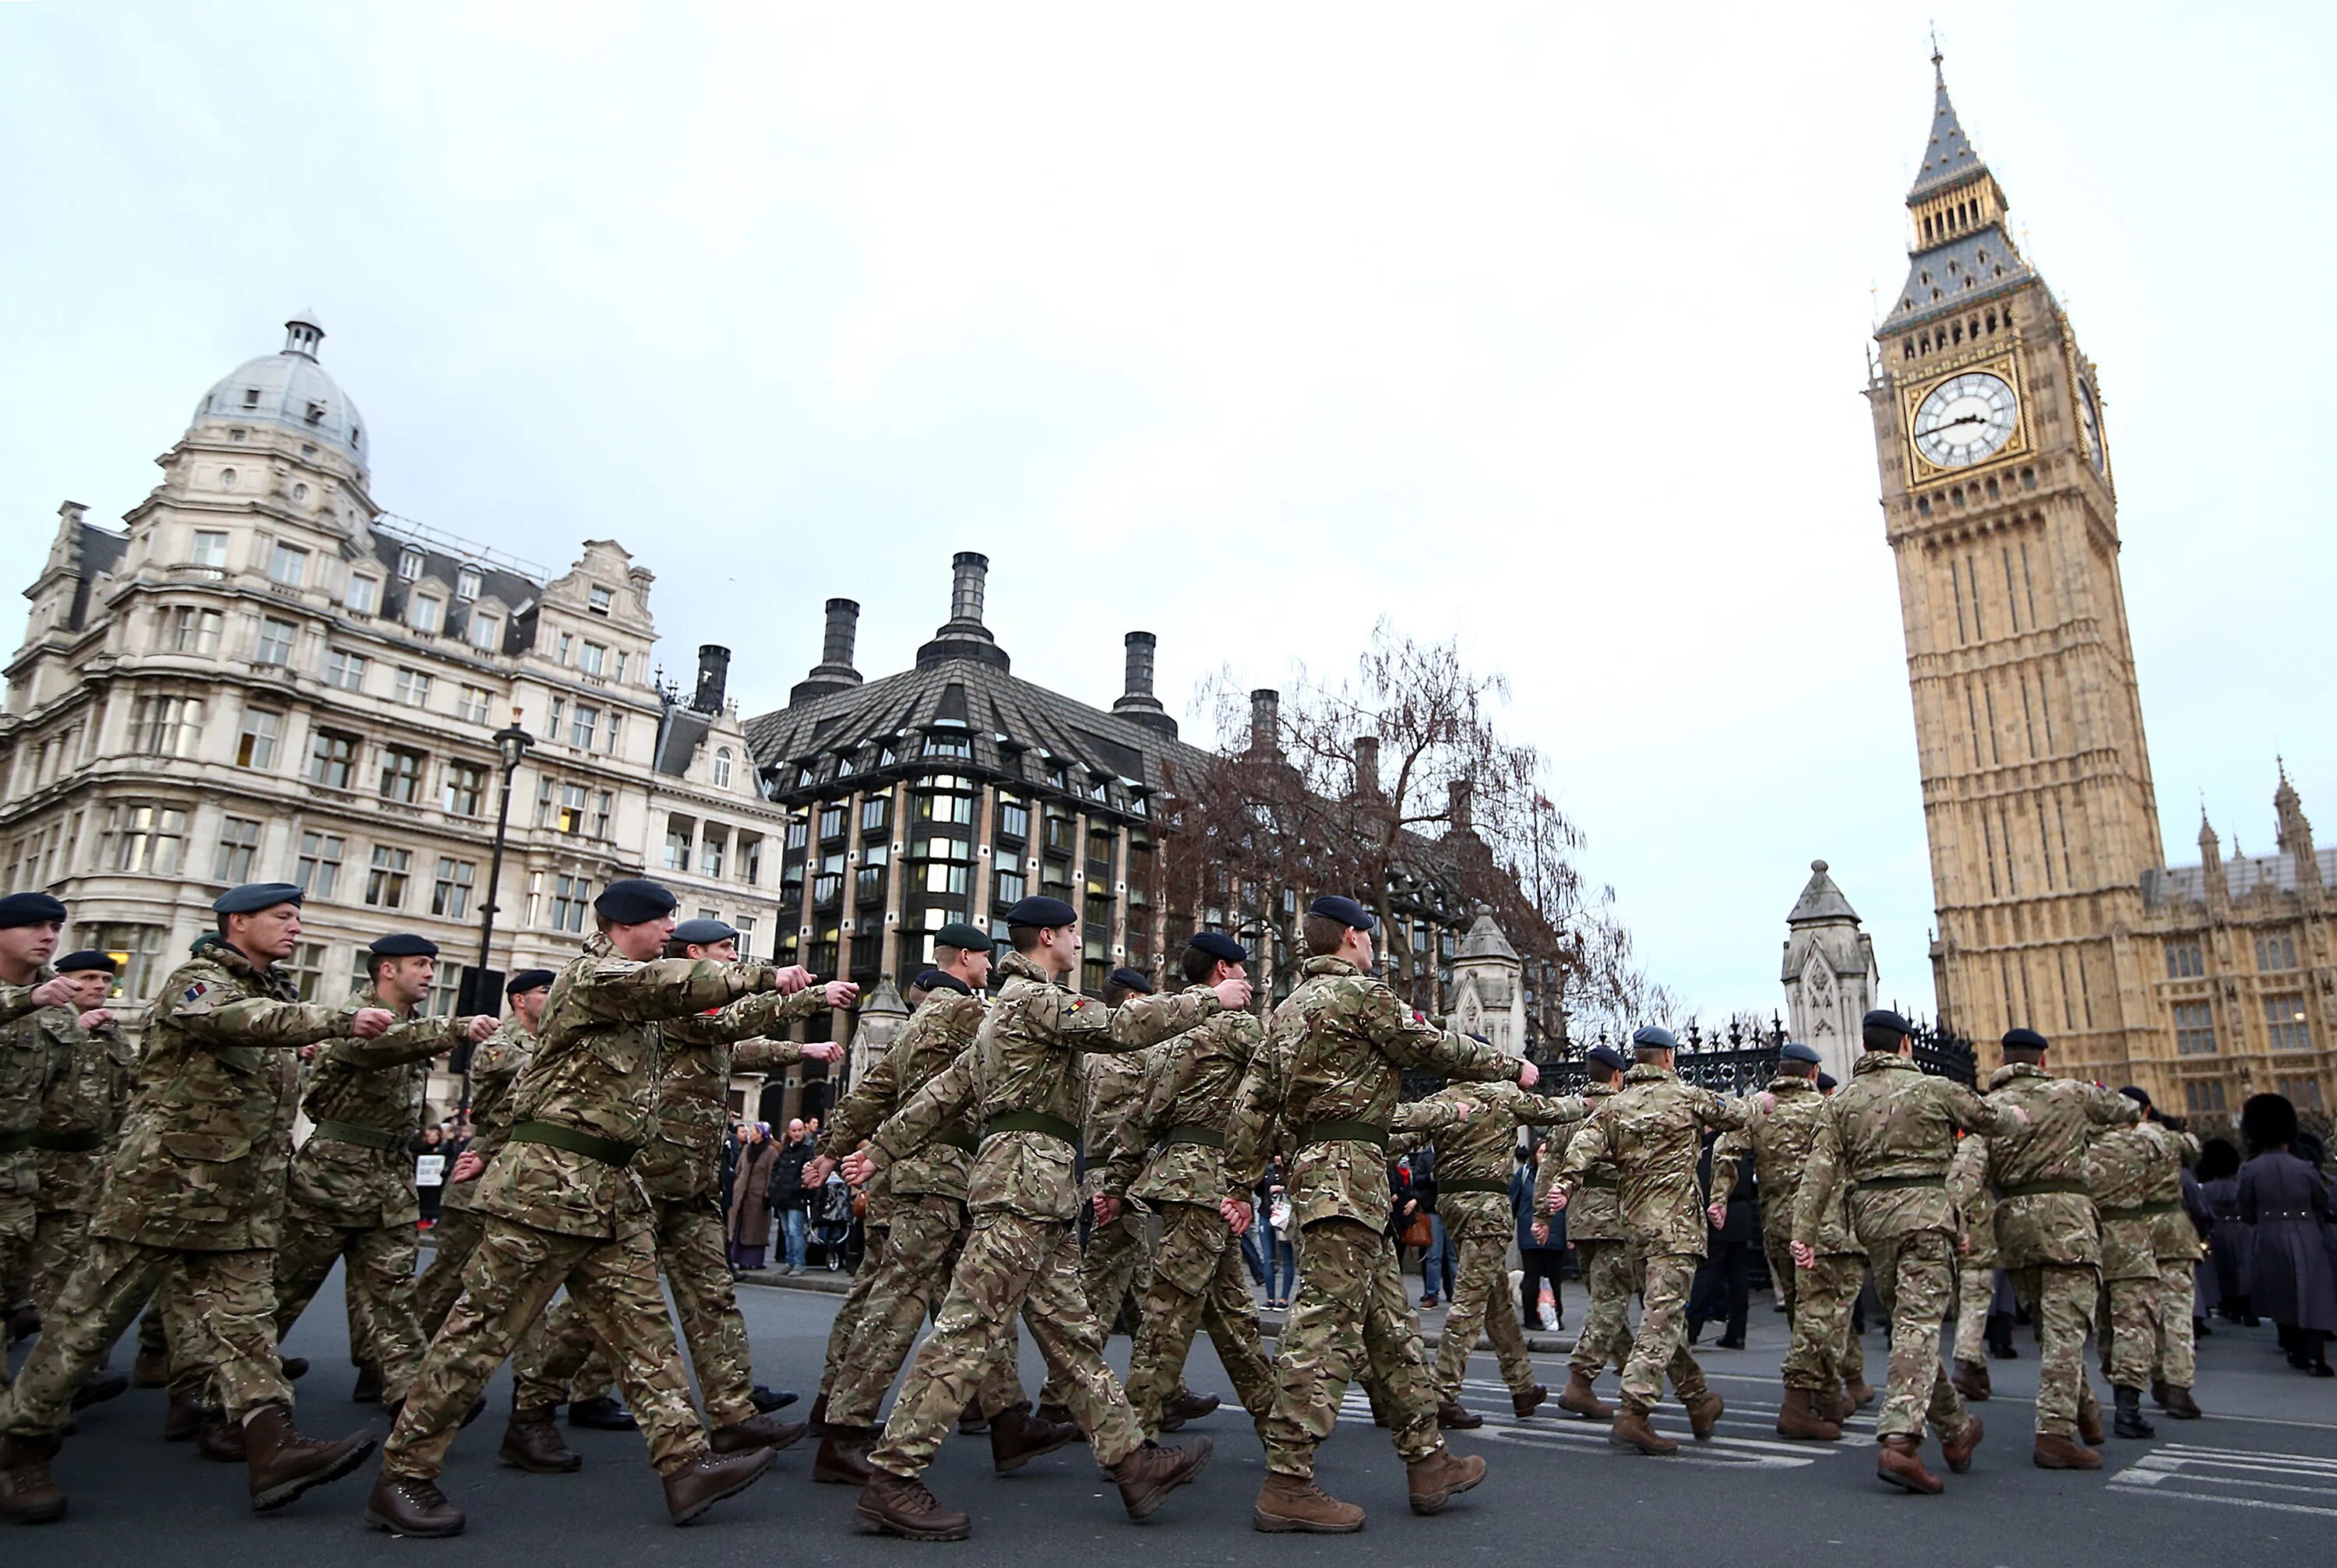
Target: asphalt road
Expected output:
[2258,1477]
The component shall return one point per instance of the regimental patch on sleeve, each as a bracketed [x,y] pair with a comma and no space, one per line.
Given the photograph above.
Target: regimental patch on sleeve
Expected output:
[195,998]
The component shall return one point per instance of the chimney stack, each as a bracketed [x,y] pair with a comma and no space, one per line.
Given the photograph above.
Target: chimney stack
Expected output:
[1141,646]
[963,635]
[713,678]
[1265,721]
[833,673]
[969,575]
[1137,704]
[1367,767]
[1457,807]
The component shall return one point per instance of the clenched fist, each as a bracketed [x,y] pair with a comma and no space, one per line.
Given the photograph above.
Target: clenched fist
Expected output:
[371,1023]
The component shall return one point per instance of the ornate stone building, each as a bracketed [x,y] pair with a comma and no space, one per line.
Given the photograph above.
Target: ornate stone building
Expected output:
[1829,972]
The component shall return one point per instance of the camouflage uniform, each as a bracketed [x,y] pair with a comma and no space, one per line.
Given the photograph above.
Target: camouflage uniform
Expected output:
[1474,1160]
[1886,1139]
[1824,1354]
[29,1067]
[1602,1247]
[2176,1245]
[562,1206]
[1330,1068]
[496,1067]
[352,1193]
[1975,1204]
[2117,1170]
[1652,1133]
[1198,1276]
[79,1120]
[1116,1261]
[1022,1075]
[194,1194]
[680,1170]
[2045,1228]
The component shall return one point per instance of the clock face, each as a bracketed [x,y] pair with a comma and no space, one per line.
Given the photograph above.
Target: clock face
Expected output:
[2089,422]
[1966,418]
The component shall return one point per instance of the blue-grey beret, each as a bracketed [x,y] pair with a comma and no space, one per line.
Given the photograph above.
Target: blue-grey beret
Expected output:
[528,980]
[1883,1018]
[1654,1037]
[1828,1082]
[1219,947]
[1794,1051]
[87,959]
[704,933]
[253,896]
[1607,1056]
[1345,911]
[966,937]
[940,980]
[633,901]
[30,909]
[2023,1039]
[403,944]
[1129,979]
[1042,911]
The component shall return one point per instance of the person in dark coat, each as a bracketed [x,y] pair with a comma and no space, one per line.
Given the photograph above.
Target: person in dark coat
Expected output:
[1724,1281]
[1540,1259]
[2291,1278]
[2231,1244]
[748,1220]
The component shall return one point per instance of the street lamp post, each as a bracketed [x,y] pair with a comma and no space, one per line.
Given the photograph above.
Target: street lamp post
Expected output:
[512,744]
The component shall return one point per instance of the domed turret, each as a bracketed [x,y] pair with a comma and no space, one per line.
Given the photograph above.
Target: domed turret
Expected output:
[288,389]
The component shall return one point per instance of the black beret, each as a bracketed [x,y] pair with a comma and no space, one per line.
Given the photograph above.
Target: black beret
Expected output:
[1042,911]
[1607,1056]
[2023,1039]
[1345,911]
[1654,1037]
[1219,947]
[704,933]
[529,980]
[633,901]
[88,958]
[404,945]
[941,980]
[1794,1051]
[2140,1096]
[30,909]
[2267,1121]
[1827,1081]
[253,896]
[1129,979]
[1883,1018]
[965,936]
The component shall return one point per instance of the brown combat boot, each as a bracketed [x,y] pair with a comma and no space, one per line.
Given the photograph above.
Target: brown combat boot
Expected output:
[1838,1409]
[1703,1415]
[532,1442]
[900,1506]
[1798,1417]
[1901,1464]
[407,1506]
[152,1369]
[710,1478]
[817,1420]
[1631,1430]
[2090,1416]
[757,1432]
[1959,1448]
[843,1457]
[98,1388]
[220,1440]
[2058,1451]
[1147,1476]
[1453,1417]
[29,1494]
[368,1390]
[1017,1437]
[1577,1398]
[1187,1406]
[1442,1477]
[2179,1404]
[281,1464]
[1862,1394]
[1294,1505]
[971,1423]
[1971,1379]
[182,1419]
[1527,1403]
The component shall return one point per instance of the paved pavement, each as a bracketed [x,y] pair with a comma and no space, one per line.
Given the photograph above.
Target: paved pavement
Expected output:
[2258,1477]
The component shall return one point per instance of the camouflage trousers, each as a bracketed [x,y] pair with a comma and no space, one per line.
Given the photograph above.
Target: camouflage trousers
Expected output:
[919,1257]
[844,1329]
[2125,1328]
[380,1257]
[454,1239]
[1661,1347]
[1011,1263]
[1199,1281]
[512,1276]
[1975,1293]
[690,1248]
[1113,1275]
[2177,1361]
[60,1236]
[1915,1278]
[2059,1299]
[1604,1339]
[18,1225]
[221,1310]
[1481,1295]
[1825,1355]
[1350,1319]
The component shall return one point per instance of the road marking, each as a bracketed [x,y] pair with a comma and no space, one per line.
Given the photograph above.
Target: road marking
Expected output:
[2231,1478]
[1726,1450]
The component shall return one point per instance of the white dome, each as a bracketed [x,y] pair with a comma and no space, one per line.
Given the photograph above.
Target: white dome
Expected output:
[292,391]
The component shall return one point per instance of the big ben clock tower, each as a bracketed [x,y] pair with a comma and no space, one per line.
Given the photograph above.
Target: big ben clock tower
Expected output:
[1999,501]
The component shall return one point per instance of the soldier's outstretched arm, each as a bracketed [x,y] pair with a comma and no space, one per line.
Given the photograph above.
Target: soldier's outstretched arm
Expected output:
[931,1108]
[1717,1111]
[253,1020]
[662,989]
[402,1043]
[1976,1113]
[874,1095]
[15,1001]
[1087,1026]
[1420,1119]
[1550,1109]
[2106,1107]
[1408,1042]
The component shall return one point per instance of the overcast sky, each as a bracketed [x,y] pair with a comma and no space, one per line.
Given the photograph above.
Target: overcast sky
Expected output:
[1246,326]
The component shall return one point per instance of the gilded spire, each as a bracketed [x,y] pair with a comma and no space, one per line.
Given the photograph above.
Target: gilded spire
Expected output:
[1947,156]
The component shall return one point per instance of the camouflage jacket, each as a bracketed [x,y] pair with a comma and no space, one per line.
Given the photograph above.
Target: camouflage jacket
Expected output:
[2172,1234]
[1594,1212]
[683,1161]
[206,1141]
[1334,1052]
[28,1072]
[1174,1132]
[941,1029]
[1110,1089]
[1653,1132]
[364,1097]
[595,1073]
[496,1067]
[1483,1150]
[84,1109]
[1779,1138]
[2044,1210]
[1974,1200]
[1886,1139]
[2117,1169]
[1026,1064]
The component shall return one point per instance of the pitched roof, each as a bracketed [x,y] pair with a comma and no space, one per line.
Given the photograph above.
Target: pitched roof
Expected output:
[1947,277]
[1947,156]
[1821,900]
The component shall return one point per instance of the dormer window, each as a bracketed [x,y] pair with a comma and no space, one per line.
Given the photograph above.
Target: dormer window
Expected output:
[722,768]
[316,412]
[365,592]
[409,564]
[423,614]
[468,582]
[595,658]
[600,600]
[252,396]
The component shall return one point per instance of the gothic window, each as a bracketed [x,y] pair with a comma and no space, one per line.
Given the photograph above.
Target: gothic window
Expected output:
[2195,1029]
[2285,1022]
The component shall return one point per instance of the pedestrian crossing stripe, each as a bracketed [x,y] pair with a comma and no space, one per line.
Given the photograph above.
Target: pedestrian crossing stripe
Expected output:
[2235,1478]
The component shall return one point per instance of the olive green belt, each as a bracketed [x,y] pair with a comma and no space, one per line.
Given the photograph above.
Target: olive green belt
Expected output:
[81,1142]
[607,1151]
[1032,1121]
[2140,1211]
[13,1143]
[1602,1179]
[1199,1132]
[1887,1183]
[1468,1184]
[2040,1189]
[1338,1132]
[363,1137]
[959,1137]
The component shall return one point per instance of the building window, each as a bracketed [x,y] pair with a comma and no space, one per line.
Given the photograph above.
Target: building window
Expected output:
[146,838]
[238,846]
[599,599]
[1012,888]
[364,595]
[1099,844]
[935,805]
[471,704]
[450,895]
[712,848]
[604,804]
[618,673]
[345,669]
[1013,817]
[1058,831]
[949,745]
[2202,1097]
[275,642]
[409,564]
[868,883]
[2195,1029]
[446,990]
[677,843]
[2285,1022]
[1098,904]
[831,822]
[567,647]
[307,969]
[138,949]
[255,747]
[797,828]
[873,810]
[401,774]
[166,726]
[2276,952]
[332,760]
[424,614]
[587,720]
[571,817]
[487,631]
[571,895]
[2185,961]
[211,550]
[466,583]
[1092,975]
[411,687]
[465,789]
[722,767]
[288,566]
[827,887]
[319,870]
[595,659]
[746,925]
[2304,1093]
[750,859]
[385,882]
[190,630]
[559,718]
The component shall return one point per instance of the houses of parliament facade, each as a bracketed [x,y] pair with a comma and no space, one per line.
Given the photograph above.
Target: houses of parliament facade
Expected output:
[2205,983]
